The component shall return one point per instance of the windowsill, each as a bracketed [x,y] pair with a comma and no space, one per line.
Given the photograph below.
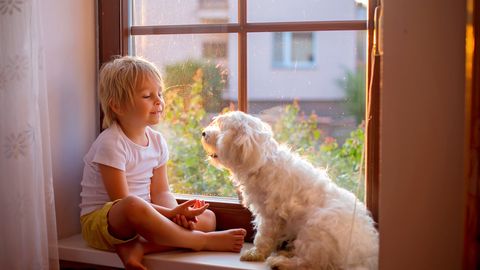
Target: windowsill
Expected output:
[74,249]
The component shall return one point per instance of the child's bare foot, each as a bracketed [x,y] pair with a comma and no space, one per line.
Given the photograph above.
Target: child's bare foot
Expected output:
[131,254]
[229,240]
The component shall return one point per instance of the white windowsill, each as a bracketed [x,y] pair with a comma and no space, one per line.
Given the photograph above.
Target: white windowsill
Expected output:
[74,249]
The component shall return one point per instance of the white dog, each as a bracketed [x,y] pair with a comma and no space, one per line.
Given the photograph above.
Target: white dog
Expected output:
[303,220]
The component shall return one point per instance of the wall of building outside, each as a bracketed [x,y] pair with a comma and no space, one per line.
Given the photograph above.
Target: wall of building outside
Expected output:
[305,10]
[334,53]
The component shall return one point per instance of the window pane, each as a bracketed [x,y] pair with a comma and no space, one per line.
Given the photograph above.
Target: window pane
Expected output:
[196,76]
[305,10]
[153,12]
[319,111]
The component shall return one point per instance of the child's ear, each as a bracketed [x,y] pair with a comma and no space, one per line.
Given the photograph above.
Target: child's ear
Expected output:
[116,108]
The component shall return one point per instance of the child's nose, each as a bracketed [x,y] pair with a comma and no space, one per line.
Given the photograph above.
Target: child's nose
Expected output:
[160,103]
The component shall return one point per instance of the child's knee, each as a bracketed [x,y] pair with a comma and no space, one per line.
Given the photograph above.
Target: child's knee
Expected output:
[210,215]
[208,221]
[133,204]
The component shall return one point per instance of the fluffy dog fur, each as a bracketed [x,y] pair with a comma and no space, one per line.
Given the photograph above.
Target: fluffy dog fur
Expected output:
[303,220]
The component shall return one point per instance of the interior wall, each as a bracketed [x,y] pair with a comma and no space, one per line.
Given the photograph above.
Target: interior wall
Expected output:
[69,38]
[422,135]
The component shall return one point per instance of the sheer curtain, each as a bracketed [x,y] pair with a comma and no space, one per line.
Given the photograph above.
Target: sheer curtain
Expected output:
[28,229]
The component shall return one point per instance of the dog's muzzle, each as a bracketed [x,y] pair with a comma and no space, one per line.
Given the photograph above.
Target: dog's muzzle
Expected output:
[205,137]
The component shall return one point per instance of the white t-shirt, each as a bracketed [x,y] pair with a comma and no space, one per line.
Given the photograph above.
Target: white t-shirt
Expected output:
[113,148]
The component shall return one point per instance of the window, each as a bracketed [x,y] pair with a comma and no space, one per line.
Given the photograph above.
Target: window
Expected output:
[312,109]
[293,49]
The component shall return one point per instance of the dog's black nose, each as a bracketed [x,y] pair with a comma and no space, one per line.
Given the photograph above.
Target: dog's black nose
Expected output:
[204,134]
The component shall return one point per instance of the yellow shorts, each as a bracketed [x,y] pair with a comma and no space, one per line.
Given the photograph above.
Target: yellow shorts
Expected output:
[95,229]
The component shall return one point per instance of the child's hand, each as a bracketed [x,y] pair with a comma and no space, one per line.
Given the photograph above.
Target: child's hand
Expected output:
[187,212]
[190,210]
[182,221]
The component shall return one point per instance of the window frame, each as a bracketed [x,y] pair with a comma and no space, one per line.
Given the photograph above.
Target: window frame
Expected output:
[471,257]
[113,39]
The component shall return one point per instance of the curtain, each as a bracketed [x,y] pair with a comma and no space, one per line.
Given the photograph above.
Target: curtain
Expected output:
[27,227]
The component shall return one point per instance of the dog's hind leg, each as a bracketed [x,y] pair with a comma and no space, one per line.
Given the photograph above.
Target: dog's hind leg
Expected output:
[302,259]
[316,245]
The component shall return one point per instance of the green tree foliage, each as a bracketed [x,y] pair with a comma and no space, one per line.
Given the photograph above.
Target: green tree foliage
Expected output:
[354,86]
[181,76]
[189,171]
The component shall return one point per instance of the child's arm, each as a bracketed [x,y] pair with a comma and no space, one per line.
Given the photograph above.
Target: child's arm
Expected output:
[160,195]
[116,185]
[159,190]
[115,182]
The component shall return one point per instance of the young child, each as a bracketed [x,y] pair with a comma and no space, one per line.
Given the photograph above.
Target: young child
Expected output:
[126,202]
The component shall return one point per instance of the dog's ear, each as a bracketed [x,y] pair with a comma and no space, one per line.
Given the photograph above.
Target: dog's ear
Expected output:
[249,142]
[248,135]
[244,143]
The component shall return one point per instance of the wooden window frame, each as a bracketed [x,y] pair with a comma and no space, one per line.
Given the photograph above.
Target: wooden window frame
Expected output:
[113,36]
[471,252]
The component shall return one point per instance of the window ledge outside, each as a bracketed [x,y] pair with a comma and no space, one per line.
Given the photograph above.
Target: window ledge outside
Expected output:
[74,249]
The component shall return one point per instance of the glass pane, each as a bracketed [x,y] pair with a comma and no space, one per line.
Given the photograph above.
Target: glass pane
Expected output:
[318,110]
[305,10]
[153,12]
[196,75]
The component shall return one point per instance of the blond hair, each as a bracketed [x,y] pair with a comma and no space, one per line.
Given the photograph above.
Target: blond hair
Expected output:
[118,80]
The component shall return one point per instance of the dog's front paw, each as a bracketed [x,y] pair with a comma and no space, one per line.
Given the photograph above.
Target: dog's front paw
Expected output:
[252,255]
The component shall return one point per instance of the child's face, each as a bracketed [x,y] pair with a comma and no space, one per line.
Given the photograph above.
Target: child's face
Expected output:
[148,103]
